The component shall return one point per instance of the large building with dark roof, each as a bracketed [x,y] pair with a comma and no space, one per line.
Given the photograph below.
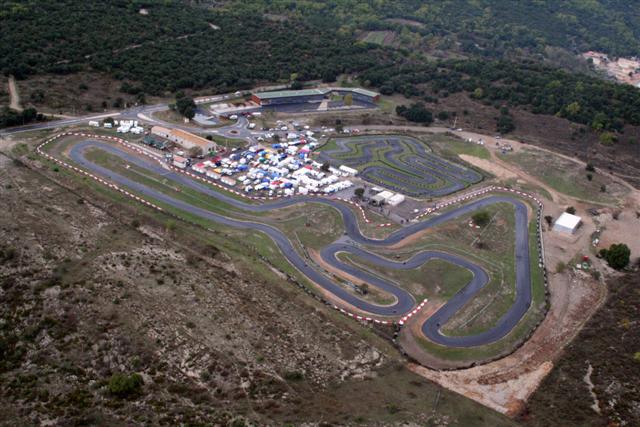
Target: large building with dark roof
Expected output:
[281,97]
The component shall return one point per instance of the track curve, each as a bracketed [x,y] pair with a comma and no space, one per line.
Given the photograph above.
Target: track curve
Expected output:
[410,167]
[404,301]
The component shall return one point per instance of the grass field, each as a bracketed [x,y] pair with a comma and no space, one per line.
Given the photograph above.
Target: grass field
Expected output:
[450,148]
[382,38]
[567,177]
[158,182]
[496,256]
[435,279]
[516,336]
[316,226]
[400,395]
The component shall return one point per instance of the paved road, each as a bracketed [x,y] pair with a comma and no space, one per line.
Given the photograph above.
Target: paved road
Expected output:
[145,113]
[352,242]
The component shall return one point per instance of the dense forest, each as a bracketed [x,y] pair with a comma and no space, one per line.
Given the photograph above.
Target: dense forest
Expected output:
[159,47]
[540,89]
[165,46]
[479,27]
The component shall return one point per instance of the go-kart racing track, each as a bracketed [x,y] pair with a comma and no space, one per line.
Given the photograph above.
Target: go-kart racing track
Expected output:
[352,242]
[409,167]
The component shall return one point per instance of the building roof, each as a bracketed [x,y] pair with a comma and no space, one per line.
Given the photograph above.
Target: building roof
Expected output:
[383,196]
[291,93]
[361,91]
[312,92]
[396,197]
[568,220]
[194,139]
[160,129]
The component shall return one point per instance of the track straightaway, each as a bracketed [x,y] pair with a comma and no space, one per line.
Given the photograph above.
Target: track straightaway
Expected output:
[352,242]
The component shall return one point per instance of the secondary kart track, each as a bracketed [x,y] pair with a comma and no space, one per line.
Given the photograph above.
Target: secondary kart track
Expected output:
[352,242]
[407,166]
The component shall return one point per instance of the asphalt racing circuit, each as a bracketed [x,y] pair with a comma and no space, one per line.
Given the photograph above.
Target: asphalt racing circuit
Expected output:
[353,241]
[401,163]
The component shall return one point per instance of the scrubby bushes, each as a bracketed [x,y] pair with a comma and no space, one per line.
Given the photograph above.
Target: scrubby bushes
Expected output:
[125,386]
[415,113]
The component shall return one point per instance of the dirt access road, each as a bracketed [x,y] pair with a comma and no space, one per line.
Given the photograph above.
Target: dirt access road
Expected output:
[15,95]
[506,384]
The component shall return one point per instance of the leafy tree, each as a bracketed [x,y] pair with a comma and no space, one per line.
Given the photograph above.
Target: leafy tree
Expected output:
[478,93]
[481,218]
[185,105]
[607,138]
[364,288]
[415,113]
[573,109]
[600,121]
[325,166]
[617,256]
[548,219]
[125,386]
[329,76]
[359,192]
[504,123]
[571,210]
[9,117]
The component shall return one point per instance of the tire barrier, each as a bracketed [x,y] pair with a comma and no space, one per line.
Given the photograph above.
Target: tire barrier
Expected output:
[353,233]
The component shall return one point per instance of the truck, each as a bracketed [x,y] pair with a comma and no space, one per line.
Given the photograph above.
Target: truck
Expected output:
[94,123]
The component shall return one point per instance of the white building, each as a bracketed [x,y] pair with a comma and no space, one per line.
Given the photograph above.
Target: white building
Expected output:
[382,197]
[348,170]
[567,223]
[395,200]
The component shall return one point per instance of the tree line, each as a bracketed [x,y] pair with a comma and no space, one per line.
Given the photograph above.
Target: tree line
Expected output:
[9,117]
[172,48]
[599,104]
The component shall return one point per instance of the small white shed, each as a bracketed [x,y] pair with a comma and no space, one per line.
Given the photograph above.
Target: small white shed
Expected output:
[567,223]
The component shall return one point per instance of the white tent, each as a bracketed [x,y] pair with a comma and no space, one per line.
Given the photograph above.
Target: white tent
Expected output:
[567,223]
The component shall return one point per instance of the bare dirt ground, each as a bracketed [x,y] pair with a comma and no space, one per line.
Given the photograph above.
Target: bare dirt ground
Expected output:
[490,166]
[94,286]
[626,228]
[506,384]
[595,381]
[15,96]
